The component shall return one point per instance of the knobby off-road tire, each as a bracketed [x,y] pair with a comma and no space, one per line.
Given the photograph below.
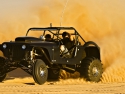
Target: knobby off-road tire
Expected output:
[53,74]
[2,77]
[40,72]
[2,74]
[91,69]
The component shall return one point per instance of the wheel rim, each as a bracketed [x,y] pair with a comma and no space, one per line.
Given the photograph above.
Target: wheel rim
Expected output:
[95,71]
[42,71]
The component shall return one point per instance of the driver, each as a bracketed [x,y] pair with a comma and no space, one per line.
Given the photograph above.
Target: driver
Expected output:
[67,43]
[48,37]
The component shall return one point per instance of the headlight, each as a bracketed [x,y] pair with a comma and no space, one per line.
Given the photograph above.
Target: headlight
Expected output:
[23,46]
[4,46]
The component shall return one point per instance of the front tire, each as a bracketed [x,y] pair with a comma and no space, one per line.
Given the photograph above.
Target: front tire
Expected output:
[91,69]
[2,73]
[40,72]
[2,77]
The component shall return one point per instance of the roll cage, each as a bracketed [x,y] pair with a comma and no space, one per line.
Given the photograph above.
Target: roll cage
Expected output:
[55,31]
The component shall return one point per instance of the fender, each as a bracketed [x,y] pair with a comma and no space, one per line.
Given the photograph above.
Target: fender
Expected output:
[92,51]
[45,57]
[90,42]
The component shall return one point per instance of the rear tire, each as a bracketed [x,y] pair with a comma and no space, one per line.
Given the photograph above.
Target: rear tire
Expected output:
[40,72]
[91,69]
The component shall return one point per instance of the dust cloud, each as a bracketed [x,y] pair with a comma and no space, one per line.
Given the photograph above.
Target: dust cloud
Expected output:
[101,21]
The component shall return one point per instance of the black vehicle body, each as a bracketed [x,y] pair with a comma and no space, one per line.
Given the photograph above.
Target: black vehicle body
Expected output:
[24,51]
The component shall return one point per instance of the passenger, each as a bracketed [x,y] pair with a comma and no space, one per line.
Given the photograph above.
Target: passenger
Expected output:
[48,37]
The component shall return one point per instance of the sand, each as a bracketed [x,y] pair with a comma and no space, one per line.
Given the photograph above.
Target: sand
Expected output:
[19,82]
[21,88]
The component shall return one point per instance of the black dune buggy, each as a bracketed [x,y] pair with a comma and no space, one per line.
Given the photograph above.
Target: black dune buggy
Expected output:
[43,59]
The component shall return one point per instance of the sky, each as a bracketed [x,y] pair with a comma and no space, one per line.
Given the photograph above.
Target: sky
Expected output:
[101,21]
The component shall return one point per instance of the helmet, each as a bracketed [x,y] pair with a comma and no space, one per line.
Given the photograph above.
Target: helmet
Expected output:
[65,35]
[47,36]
